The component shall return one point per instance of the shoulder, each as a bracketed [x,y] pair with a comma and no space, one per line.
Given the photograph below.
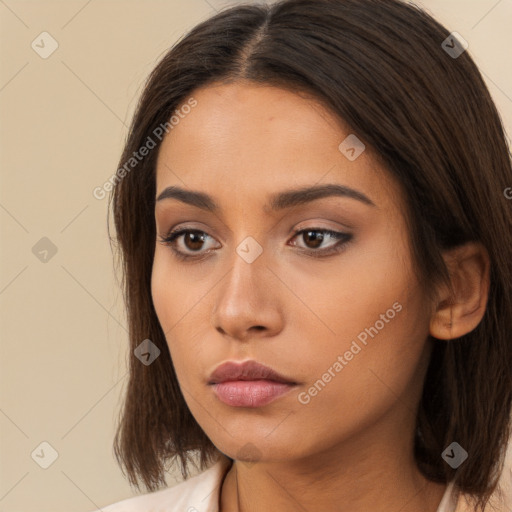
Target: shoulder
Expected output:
[197,494]
[501,499]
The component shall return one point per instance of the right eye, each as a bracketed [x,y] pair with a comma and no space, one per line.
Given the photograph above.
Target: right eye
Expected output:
[182,240]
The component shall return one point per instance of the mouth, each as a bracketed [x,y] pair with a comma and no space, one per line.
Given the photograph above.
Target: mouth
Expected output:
[248,384]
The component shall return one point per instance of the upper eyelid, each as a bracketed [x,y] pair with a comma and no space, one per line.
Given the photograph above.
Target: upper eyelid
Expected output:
[312,224]
[185,228]
[311,208]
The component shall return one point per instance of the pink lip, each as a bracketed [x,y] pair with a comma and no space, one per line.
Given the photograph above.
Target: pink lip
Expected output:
[249,384]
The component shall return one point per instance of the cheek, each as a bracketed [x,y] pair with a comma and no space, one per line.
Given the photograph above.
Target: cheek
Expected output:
[345,297]
[181,309]
[163,300]
[372,332]
[353,383]
[174,295]
[170,302]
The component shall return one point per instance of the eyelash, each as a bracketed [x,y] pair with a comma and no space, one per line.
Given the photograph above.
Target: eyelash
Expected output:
[344,239]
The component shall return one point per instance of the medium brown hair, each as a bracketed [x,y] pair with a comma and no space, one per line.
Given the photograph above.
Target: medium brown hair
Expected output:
[379,66]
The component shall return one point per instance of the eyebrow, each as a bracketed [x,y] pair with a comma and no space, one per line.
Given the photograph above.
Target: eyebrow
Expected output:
[279,201]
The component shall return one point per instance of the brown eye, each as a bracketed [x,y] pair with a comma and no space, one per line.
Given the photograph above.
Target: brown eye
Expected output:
[185,242]
[316,241]
[194,240]
[313,239]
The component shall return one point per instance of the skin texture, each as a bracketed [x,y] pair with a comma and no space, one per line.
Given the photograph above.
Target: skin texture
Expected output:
[350,447]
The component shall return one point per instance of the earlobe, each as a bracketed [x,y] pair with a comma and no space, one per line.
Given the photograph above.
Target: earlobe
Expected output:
[458,312]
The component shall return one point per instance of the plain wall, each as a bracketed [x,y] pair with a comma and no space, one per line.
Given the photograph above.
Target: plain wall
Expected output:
[63,121]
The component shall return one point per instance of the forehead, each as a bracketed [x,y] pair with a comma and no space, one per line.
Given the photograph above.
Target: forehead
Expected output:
[252,139]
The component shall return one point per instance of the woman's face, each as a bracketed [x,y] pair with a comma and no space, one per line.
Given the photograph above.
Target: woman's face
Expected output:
[341,317]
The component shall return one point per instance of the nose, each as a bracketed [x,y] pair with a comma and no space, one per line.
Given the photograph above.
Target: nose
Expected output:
[247,303]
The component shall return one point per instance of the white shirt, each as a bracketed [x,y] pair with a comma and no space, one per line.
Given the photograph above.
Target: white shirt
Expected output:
[201,494]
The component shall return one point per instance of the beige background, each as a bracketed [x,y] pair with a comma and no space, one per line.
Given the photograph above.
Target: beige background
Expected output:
[63,120]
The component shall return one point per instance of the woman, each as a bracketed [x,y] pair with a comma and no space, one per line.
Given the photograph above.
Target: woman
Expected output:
[316,245]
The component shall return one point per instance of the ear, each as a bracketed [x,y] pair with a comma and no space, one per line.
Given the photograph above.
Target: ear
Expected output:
[459,312]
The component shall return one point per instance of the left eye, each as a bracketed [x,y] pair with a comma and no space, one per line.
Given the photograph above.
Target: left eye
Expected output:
[314,238]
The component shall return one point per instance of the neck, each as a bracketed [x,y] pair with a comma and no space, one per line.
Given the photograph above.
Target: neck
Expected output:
[365,476]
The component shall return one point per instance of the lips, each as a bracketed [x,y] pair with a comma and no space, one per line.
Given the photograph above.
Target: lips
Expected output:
[248,384]
[248,370]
